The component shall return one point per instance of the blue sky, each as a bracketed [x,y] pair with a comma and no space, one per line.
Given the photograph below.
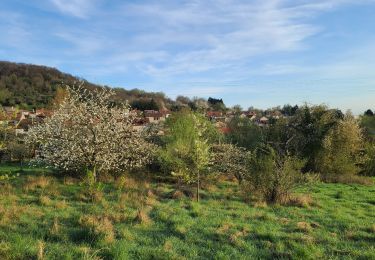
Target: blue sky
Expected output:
[258,53]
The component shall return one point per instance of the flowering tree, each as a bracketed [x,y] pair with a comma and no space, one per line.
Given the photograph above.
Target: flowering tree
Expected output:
[230,159]
[87,131]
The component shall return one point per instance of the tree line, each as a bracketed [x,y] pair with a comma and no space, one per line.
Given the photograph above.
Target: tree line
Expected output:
[90,135]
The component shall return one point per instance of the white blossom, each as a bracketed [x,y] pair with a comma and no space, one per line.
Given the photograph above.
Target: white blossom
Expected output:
[89,131]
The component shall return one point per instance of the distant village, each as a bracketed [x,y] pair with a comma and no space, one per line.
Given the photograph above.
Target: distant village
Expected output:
[21,120]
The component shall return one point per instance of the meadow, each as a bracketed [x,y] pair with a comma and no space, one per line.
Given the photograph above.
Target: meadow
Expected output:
[45,216]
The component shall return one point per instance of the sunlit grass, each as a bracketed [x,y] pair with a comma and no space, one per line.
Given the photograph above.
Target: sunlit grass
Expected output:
[44,214]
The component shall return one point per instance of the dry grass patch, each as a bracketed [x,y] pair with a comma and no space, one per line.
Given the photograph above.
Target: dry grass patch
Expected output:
[6,189]
[284,220]
[210,187]
[70,181]
[142,217]
[124,233]
[32,183]
[44,200]
[168,245]
[181,230]
[132,199]
[61,204]
[150,201]
[235,238]
[177,194]
[52,190]
[302,201]
[224,228]
[116,217]
[41,247]
[304,226]
[349,234]
[91,195]
[260,204]
[306,239]
[55,229]
[128,183]
[98,227]
[10,213]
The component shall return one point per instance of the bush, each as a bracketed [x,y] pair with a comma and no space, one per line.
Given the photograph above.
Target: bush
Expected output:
[341,150]
[369,162]
[271,177]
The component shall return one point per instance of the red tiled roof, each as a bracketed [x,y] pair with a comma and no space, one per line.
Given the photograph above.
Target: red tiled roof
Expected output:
[214,113]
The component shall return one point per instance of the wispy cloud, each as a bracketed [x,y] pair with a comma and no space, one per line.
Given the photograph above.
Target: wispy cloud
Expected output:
[198,47]
[77,8]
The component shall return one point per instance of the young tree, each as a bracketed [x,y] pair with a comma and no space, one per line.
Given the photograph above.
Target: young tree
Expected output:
[341,148]
[19,151]
[187,151]
[88,132]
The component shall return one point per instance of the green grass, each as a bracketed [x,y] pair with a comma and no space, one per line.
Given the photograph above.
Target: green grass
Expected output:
[55,218]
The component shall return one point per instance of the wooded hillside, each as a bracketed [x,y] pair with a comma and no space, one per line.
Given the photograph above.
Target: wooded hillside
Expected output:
[33,86]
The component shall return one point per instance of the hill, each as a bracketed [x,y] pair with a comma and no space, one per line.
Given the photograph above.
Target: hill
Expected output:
[33,86]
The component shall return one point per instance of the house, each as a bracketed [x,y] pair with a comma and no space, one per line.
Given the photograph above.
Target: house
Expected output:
[154,116]
[139,124]
[9,110]
[215,116]
[263,120]
[43,112]
[23,126]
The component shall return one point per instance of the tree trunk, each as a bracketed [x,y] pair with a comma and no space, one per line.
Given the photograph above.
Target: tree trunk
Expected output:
[198,187]
[94,174]
[21,161]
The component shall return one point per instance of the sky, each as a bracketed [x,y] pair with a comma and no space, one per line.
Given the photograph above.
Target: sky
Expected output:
[260,53]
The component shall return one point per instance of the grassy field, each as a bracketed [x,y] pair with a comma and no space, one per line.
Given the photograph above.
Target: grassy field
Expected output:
[47,217]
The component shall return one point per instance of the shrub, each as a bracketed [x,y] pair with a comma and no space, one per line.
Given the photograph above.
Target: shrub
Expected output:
[369,162]
[342,145]
[271,176]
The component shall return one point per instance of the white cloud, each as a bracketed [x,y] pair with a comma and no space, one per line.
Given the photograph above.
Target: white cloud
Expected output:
[77,8]
[206,35]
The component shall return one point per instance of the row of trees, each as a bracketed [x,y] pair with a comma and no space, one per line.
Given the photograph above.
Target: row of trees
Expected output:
[89,133]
